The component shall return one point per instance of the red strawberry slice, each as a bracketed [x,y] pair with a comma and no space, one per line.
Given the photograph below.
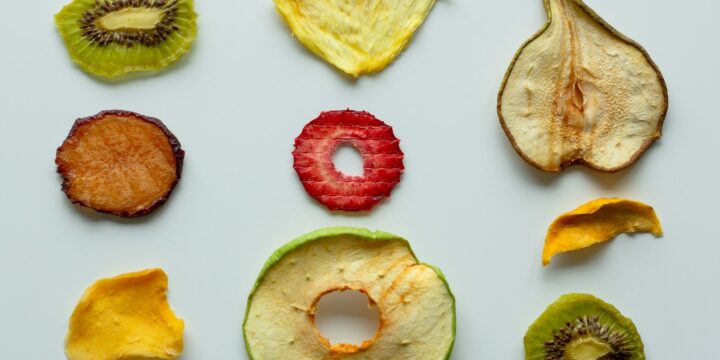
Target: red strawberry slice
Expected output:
[377,144]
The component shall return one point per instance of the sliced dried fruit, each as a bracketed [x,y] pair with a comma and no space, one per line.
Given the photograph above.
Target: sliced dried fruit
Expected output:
[598,221]
[113,37]
[357,37]
[414,302]
[120,162]
[125,317]
[377,144]
[582,327]
[580,92]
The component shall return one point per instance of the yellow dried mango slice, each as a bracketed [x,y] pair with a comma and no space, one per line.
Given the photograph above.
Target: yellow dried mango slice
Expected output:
[125,317]
[598,221]
[357,37]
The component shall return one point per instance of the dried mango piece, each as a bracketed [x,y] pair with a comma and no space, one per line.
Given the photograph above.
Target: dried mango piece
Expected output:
[125,317]
[598,221]
[357,37]
[580,92]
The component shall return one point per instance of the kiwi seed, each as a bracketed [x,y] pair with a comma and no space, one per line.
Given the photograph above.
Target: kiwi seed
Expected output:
[588,326]
[99,35]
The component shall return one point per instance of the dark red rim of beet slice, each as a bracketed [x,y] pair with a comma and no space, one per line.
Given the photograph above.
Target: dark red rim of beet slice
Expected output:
[178,154]
[373,139]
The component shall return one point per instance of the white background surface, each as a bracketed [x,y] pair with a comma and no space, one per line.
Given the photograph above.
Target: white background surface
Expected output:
[467,203]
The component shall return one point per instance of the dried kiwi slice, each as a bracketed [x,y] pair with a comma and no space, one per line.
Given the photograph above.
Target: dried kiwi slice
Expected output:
[414,302]
[580,92]
[120,162]
[109,38]
[582,327]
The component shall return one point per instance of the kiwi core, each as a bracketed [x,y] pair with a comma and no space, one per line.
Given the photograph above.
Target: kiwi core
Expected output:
[587,348]
[130,19]
[130,22]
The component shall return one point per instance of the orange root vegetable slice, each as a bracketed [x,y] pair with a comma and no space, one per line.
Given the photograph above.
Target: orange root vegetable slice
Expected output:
[120,162]
[125,317]
[598,221]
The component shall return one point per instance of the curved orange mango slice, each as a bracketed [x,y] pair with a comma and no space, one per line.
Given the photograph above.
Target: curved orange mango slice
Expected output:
[598,221]
[125,317]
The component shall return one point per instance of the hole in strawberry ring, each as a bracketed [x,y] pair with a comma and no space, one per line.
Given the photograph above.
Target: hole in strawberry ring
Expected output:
[348,160]
[346,317]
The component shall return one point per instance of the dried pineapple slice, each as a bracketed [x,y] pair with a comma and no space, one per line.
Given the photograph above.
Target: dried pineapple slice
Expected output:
[357,37]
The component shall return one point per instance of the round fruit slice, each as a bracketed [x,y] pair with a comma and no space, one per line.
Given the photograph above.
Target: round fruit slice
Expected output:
[582,327]
[580,92]
[378,146]
[120,162]
[125,317]
[114,37]
[414,302]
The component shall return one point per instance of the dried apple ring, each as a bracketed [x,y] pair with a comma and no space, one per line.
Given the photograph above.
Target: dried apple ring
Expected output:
[414,302]
[598,221]
[120,162]
[377,144]
[125,317]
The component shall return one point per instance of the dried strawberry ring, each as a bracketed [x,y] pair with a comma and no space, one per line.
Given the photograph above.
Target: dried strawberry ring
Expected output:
[377,144]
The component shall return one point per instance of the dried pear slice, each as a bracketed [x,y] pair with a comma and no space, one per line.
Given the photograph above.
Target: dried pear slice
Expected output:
[357,37]
[580,92]
[109,38]
[125,317]
[583,327]
[414,302]
[598,221]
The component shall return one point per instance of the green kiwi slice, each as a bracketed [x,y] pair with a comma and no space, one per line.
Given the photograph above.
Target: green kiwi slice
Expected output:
[582,327]
[109,38]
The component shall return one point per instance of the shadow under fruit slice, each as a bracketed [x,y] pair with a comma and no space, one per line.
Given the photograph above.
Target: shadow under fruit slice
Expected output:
[580,92]
[125,317]
[120,162]
[377,144]
[109,38]
[582,327]
[598,221]
[357,37]
[414,302]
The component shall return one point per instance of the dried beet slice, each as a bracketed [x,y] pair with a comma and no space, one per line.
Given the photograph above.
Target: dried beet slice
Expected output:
[120,162]
[377,144]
